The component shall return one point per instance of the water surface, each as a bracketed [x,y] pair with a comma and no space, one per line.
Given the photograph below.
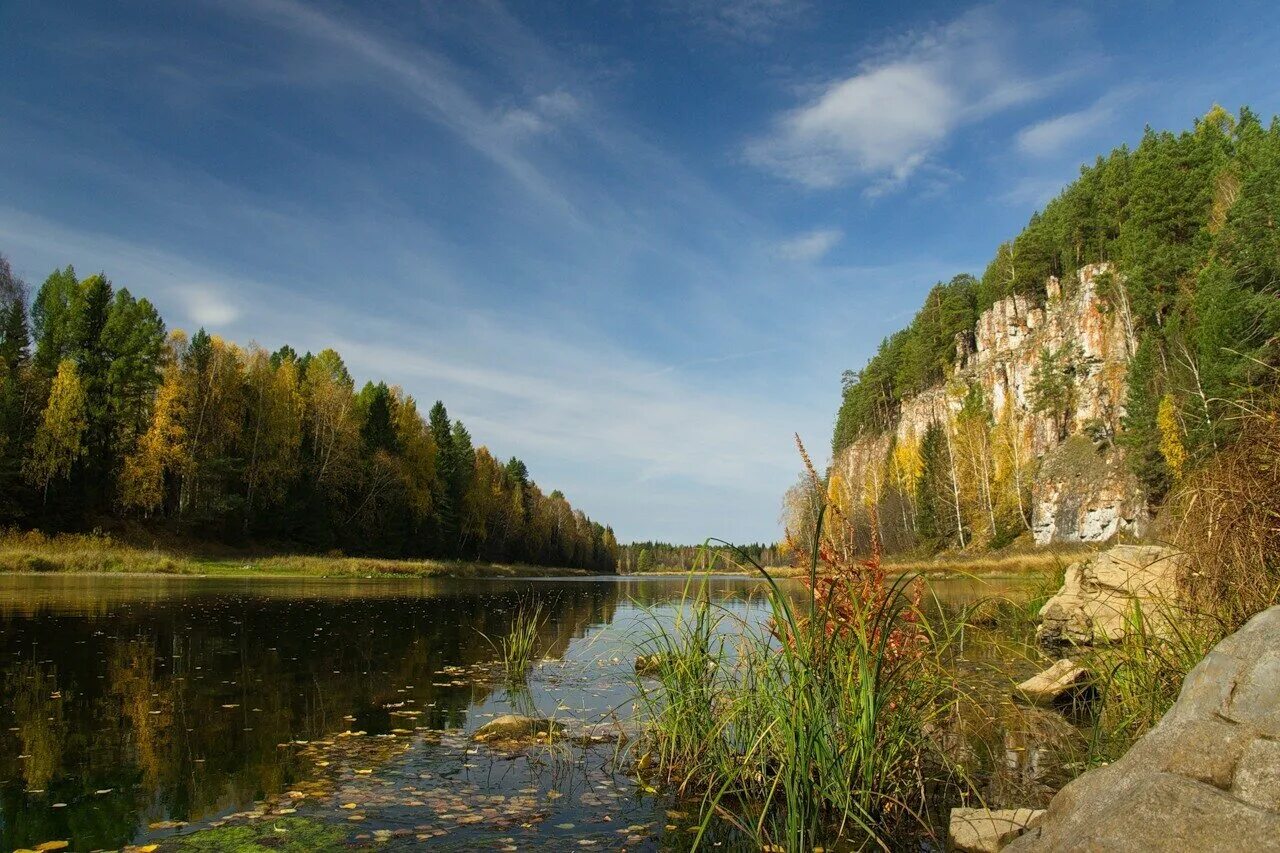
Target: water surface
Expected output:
[138,708]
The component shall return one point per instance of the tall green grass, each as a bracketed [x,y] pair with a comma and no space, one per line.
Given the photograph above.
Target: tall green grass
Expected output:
[1138,678]
[807,729]
[519,646]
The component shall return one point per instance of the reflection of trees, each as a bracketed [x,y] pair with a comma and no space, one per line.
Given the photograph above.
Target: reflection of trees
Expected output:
[144,689]
[145,706]
[37,707]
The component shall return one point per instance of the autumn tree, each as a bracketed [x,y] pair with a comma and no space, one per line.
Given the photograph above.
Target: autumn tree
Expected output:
[59,440]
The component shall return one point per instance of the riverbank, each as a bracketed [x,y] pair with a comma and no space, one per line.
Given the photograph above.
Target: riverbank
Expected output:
[1009,563]
[33,553]
[773,572]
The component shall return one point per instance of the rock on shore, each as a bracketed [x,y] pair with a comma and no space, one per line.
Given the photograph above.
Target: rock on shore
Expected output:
[1206,778]
[988,830]
[1098,595]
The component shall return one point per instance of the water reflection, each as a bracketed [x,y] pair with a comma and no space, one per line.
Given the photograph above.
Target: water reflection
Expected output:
[135,706]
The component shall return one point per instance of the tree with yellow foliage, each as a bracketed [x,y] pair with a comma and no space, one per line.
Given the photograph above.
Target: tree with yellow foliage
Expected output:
[161,449]
[59,440]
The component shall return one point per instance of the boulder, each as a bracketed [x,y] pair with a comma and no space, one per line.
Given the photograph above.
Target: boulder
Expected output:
[1098,595]
[1064,680]
[1206,777]
[987,830]
[513,727]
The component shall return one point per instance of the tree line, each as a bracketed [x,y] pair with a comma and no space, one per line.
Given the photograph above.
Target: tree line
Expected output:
[1190,224]
[106,418]
[664,556]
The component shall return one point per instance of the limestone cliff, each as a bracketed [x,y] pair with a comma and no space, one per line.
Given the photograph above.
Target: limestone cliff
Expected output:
[1071,473]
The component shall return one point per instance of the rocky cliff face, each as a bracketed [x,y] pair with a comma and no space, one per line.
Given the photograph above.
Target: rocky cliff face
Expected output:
[1081,490]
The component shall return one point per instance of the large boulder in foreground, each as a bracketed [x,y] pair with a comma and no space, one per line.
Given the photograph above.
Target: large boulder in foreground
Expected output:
[1206,778]
[1098,595]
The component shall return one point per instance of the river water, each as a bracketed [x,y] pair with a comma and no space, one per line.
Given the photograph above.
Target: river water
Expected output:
[136,710]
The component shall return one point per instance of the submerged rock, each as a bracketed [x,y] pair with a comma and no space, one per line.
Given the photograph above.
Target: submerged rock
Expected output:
[1099,595]
[1207,777]
[987,830]
[513,727]
[1064,680]
[648,666]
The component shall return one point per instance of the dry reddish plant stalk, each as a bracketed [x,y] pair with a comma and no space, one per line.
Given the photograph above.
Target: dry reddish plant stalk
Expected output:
[850,594]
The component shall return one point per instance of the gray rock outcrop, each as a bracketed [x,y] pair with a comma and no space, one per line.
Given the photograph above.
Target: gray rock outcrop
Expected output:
[1098,595]
[1206,778]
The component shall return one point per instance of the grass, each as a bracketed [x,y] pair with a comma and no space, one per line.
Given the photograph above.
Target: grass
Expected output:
[519,647]
[811,729]
[1008,563]
[35,552]
[1139,678]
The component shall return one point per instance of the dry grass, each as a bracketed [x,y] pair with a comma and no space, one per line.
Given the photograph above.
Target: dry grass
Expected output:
[1226,516]
[1040,561]
[69,553]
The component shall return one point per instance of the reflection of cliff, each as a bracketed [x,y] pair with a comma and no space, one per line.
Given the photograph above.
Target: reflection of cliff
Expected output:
[181,704]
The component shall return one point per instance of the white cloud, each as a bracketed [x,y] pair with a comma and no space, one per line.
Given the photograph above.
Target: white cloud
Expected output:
[1054,135]
[543,114]
[884,122]
[811,246]
[207,306]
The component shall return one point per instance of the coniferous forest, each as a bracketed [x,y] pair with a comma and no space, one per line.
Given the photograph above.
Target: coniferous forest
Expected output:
[108,419]
[1188,222]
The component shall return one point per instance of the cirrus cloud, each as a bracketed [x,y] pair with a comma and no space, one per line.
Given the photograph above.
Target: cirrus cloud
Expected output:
[882,123]
[811,246]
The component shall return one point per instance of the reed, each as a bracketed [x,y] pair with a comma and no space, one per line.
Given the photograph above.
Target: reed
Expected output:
[811,727]
[518,647]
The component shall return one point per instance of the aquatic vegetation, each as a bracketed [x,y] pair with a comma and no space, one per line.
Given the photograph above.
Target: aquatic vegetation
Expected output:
[287,834]
[519,646]
[814,727]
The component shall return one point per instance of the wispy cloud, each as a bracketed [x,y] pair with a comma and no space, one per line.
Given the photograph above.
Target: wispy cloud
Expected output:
[428,79]
[1055,135]
[811,246]
[880,124]
[754,21]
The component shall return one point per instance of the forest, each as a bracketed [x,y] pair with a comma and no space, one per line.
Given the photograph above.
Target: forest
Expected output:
[110,421]
[664,556]
[1189,223]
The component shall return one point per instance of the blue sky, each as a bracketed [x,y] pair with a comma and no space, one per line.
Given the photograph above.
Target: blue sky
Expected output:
[633,243]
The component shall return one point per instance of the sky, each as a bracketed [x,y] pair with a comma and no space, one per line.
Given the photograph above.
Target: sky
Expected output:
[633,243]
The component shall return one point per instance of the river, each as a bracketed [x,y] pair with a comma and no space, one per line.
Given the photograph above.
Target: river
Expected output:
[136,709]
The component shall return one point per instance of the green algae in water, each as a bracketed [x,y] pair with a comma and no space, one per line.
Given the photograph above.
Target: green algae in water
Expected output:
[284,835]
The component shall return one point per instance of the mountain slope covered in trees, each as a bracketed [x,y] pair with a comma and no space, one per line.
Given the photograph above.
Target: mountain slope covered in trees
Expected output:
[1175,245]
[105,416]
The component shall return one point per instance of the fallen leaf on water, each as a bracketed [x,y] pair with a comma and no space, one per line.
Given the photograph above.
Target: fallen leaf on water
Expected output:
[53,845]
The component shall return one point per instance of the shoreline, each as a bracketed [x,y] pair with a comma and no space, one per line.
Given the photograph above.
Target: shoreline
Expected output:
[114,559]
